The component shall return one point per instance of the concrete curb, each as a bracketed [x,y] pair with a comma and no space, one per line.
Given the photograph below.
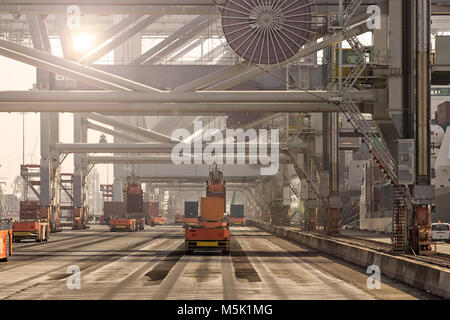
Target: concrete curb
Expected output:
[433,279]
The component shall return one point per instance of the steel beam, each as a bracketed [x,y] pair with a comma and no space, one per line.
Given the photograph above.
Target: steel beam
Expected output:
[242,72]
[130,160]
[214,52]
[149,134]
[195,29]
[113,133]
[33,26]
[168,41]
[65,37]
[256,71]
[159,159]
[76,71]
[44,34]
[187,49]
[113,148]
[111,98]
[102,38]
[98,53]
[173,108]
[211,78]
[125,8]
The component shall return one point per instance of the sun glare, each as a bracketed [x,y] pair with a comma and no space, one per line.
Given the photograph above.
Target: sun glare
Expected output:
[83,42]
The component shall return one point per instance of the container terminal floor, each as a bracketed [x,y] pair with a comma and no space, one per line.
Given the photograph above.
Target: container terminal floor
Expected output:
[151,264]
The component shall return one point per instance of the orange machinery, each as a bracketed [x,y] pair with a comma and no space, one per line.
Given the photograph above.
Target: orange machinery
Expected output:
[6,237]
[80,219]
[237,214]
[211,232]
[33,222]
[123,224]
[129,214]
[155,216]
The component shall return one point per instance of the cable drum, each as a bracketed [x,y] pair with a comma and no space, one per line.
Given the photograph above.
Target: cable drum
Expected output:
[267,31]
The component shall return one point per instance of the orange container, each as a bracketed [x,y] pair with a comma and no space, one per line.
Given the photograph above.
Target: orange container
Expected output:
[212,209]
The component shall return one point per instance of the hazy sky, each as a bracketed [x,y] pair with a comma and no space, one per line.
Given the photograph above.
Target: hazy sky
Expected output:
[18,76]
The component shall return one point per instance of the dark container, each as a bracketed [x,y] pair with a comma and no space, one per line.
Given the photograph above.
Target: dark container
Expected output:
[191,209]
[237,210]
[30,210]
[114,209]
[134,200]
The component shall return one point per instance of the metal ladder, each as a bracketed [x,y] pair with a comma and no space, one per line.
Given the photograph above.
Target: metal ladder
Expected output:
[400,220]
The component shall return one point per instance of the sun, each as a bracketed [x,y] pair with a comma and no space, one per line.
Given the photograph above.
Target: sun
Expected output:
[83,42]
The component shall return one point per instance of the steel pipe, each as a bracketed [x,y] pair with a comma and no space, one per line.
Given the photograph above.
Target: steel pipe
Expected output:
[174,108]
[112,97]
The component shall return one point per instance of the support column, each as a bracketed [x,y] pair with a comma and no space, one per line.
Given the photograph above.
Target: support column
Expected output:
[421,228]
[329,176]
[334,200]
[45,191]
[80,175]
[54,174]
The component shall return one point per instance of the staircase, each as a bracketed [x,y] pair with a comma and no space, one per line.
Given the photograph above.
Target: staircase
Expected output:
[400,220]
[372,138]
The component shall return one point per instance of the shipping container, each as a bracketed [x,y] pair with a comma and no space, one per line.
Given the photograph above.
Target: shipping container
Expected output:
[237,211]
[30,210]
[191,209]
[113,209]
[133,197]
[212,209]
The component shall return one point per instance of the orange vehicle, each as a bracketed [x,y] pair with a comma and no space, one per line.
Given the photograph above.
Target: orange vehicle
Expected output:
[155,216]
[37,231]
[33,223]
[159,220]
[237,214]
[80,219]
[208,236]
[6,237]
[211,232]
[122,224]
